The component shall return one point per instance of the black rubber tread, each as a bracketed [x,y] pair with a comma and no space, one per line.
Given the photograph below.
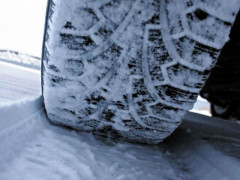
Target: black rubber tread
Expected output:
[131,66]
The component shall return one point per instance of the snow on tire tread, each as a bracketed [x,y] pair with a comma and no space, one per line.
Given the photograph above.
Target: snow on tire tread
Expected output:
[131,68]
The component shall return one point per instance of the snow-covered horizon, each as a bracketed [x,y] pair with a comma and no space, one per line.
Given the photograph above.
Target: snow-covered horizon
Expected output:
[21,59]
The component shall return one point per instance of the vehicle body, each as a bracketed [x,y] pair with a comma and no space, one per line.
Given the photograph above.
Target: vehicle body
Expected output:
[222,89]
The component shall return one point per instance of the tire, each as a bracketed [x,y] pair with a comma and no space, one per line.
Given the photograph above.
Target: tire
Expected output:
[130,68]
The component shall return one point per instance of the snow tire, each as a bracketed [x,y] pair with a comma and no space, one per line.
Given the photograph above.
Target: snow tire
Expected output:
[131,68]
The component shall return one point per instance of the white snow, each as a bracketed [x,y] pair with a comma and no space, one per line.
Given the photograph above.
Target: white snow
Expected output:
[32,148]
[20,59]
[18,82]
[39,150]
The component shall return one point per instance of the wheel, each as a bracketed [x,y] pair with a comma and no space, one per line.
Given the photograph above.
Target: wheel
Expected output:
[230,111]
[131,67]
[221,111]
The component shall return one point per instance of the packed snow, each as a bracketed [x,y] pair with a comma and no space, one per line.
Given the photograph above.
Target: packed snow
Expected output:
[32,148]
[57,153]
[18,82]
[40,150]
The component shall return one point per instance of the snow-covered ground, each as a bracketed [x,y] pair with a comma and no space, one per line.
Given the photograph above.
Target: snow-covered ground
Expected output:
[20,59]
[32,148]
[44,151]
[18,82]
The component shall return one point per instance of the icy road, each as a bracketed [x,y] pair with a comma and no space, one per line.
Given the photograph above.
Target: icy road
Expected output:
[32,148]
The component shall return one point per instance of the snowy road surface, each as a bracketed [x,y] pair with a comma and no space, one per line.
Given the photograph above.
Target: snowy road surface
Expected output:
[32,148]
[17,82]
